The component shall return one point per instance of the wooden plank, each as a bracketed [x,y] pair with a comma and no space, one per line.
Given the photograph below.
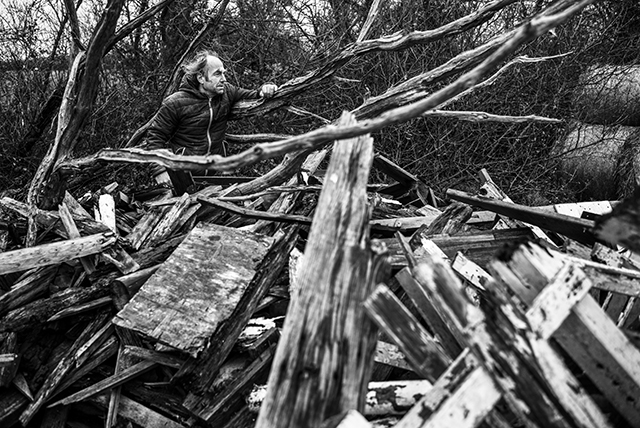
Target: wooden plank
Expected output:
[54,253]
[29,286]
[469,404]
[172,220]
[8,369]
[108,383]
[574,228]
[224,403]
[198,374]
[523,365]
[423,353]
[480,247]
[77,351]
[588,335]
[391,355]
[81,308]
[72,230]
[490,189]
[446,334]
[327,327]
[196,289]
[394,397]
[136,413]
[106,211]
[470,271]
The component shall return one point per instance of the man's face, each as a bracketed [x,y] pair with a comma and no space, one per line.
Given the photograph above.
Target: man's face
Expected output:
[212,82]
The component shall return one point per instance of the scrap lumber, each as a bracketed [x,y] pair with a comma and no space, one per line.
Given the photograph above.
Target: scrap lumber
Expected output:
[39,311]
[389,354]
[78,351]
[196,289]
[27,288]
[479,247]
[9,358]
[85,224]
[534,381]
[72,230]
[108,383]
[575,228]
[421,350]
[491,190]
[285,202]
[445,334]
[587,334]
[383,398]
[55,252]
[138,414]
[451,221]
[230,399]
[197,374]
[461,397]
[407,182]
[325,354]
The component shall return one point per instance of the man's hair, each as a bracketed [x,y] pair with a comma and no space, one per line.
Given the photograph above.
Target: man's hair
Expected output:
[198,64]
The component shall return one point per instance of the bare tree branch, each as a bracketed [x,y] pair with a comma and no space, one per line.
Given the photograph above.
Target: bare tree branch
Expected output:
[321,136]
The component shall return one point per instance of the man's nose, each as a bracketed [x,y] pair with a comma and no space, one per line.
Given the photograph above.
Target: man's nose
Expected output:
[223,78]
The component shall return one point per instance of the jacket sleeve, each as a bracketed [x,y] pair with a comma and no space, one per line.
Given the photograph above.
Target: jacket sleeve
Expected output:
[163,126]
[238,94]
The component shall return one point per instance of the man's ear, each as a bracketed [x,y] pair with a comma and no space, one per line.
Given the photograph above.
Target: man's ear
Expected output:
[201,78]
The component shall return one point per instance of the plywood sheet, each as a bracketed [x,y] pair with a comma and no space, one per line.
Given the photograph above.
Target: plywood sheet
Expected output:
[197,288]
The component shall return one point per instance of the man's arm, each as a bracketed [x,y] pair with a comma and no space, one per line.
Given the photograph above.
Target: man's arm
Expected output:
[266,91]
[164,124]
[160,132]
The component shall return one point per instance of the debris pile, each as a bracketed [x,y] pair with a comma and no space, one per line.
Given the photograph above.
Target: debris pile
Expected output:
[343,304]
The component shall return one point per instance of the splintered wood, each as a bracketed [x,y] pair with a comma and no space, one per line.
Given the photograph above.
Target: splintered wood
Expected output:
[196,289]
[383,312]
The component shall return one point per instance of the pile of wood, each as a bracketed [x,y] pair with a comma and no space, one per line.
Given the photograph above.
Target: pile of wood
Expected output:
[344,304]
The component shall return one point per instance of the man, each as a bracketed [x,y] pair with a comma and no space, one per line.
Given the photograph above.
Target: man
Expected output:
[193,120]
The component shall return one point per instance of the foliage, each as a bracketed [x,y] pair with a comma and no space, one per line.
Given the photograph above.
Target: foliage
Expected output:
[278,40]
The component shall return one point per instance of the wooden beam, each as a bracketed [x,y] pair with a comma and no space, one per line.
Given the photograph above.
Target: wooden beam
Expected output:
[588,335]
[574,228]
[55,252]
[423,353]
[327,329]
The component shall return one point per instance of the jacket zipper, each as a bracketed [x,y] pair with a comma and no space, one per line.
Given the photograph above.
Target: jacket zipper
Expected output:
[209,127]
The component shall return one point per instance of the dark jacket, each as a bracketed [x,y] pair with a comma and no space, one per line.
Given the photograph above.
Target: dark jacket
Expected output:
[187,116]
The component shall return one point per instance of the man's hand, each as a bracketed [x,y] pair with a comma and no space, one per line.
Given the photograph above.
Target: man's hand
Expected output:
[268,90]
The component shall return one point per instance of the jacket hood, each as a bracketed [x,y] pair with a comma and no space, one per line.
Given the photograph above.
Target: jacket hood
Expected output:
[190,83]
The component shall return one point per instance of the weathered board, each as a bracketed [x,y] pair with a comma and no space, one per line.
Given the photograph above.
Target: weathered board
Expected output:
[197,288]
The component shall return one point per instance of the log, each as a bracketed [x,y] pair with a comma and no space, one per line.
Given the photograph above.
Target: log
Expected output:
[326,328]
